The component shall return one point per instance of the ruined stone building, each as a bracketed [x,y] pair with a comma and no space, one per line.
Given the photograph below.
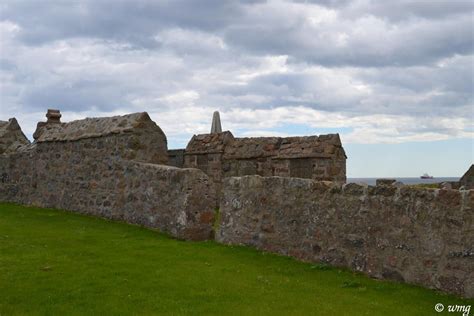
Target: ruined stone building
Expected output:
[220,154]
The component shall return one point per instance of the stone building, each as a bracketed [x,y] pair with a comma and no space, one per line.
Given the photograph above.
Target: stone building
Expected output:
[133,136]
[11,137]
[467,180]
[220,155]
[112,167]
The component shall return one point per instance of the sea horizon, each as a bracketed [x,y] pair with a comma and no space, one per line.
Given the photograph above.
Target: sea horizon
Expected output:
[404,180]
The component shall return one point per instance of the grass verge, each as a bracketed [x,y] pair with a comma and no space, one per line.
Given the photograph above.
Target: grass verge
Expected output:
[54,262]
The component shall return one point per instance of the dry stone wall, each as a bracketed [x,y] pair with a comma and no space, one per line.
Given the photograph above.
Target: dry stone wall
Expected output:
[421,236]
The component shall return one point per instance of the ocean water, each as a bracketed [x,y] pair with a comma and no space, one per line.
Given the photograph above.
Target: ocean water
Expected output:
[371,181]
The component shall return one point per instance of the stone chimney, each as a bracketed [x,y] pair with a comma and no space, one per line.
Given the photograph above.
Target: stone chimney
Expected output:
[216,123]
[54,116]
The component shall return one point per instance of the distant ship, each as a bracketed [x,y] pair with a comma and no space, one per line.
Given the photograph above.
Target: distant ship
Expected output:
[426,176]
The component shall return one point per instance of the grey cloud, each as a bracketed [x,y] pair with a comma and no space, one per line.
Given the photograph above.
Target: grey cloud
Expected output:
[7,65]
[79,96]
[401,10]
[130,21]
[298,89]
[246,26]
[367,43]
[361,58]
[443,90]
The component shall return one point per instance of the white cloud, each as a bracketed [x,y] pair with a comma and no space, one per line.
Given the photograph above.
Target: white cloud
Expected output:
[385,72]
[365,129]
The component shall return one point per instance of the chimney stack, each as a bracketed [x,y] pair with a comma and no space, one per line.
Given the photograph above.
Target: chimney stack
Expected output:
[54,116]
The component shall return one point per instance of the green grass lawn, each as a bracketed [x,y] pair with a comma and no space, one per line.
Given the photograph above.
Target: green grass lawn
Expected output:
[58,263]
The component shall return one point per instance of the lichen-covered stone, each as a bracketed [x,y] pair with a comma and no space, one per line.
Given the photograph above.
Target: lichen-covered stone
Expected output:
[415,235]
[12,138]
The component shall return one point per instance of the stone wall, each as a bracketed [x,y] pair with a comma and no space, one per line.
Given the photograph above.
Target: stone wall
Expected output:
[99,175]
[107,167]
[176,158]
[421,236]
[221,155]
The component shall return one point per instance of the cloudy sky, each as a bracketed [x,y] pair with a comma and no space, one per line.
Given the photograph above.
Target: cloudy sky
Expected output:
[394,78]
